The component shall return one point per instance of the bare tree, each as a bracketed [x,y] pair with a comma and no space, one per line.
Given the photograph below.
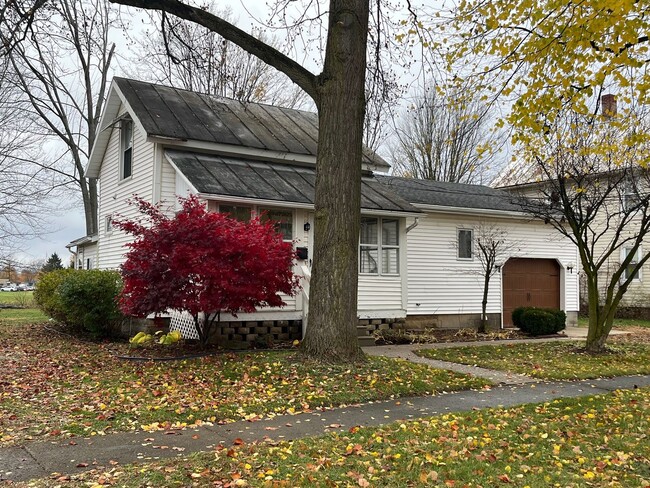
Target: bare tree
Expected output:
[189,56]
[23,187]
[491,245]
[61,66]
[444,137]
[594,190]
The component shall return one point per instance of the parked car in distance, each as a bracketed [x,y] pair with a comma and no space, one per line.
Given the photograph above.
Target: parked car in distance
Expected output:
[9,288]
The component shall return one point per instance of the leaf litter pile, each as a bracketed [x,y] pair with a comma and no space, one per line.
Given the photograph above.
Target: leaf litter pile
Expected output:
[55,386]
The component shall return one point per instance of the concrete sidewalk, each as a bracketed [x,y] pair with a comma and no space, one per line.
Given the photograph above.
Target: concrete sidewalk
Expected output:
[40,459]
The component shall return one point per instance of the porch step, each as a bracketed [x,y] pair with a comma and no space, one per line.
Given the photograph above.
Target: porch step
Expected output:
[364,336]
[365,341]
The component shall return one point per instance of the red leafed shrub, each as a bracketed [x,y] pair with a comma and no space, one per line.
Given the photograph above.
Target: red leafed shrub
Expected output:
[203,262]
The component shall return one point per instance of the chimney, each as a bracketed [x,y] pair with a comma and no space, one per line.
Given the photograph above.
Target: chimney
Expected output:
[608,105]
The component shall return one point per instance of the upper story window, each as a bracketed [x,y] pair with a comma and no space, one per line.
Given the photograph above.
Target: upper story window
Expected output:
[379,246]
[630,197]
[108,224]
[282,218]
[465,243]
[629,270]
[126,148]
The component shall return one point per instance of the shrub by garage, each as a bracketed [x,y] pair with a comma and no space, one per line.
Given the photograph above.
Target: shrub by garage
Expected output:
[539,321]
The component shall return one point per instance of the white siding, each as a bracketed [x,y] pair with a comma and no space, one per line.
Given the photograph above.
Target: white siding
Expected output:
[114,193]
[379,294]
[439,283]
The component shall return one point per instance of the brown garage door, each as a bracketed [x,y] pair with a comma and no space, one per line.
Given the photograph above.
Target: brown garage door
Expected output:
[530,283]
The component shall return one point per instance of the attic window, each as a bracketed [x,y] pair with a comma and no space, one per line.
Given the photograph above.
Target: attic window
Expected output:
[126,148]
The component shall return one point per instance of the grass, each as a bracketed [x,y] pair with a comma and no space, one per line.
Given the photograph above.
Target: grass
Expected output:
[55,385]
[593,441]
[618,323]
[17,298]
[551,360]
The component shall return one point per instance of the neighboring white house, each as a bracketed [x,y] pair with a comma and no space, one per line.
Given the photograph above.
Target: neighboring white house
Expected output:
[159,142]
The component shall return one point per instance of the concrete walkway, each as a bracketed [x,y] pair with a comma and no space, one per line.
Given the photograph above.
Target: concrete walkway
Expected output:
[407,352]
[41,459]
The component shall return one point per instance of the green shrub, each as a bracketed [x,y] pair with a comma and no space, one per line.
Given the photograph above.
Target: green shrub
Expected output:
[516,315]
[519,319]
[81,299]
[46,293]
[560,320]
[89,300]
[537,321]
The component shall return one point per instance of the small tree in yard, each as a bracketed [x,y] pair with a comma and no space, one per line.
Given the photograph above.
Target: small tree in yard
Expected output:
[203,262]
[490,245]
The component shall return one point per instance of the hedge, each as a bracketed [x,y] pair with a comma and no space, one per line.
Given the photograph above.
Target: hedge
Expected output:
[82,299]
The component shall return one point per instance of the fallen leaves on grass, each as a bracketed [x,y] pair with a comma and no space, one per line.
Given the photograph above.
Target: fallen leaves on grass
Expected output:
[593,441]
[551,360]
[54,386]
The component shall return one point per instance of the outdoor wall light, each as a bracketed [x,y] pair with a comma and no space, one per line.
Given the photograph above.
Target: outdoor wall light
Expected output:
[307,226]
[569,267]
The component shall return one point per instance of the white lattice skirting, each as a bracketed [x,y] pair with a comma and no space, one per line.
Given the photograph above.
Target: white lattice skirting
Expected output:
[183,322]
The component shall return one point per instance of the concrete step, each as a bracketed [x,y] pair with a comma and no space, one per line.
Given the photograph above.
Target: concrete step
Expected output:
[365,341]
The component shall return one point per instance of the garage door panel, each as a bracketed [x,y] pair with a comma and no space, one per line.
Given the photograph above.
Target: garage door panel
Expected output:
[530,283]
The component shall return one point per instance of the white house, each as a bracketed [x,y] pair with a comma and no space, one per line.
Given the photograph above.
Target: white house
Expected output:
[159,142]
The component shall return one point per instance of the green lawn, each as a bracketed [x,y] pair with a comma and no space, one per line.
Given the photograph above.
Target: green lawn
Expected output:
[58,385]
[590,442]
[551,360]
[618,323]
[17,298]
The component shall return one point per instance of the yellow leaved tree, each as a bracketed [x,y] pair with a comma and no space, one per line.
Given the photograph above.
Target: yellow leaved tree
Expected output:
[574,78]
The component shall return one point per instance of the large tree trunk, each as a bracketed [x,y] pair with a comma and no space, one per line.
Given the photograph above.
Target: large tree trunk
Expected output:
[89,196]
[332,330]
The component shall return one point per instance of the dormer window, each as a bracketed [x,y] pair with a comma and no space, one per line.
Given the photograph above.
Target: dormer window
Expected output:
[126,148]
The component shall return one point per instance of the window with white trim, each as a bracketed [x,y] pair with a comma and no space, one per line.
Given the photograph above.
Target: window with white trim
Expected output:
[237,212]
[629,269]
[283,219]
[108,224]
[126,148]
[379,246]
[465,244]
[630,197]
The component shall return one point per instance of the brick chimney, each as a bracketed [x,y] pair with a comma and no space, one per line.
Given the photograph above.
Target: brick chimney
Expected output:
[608,105]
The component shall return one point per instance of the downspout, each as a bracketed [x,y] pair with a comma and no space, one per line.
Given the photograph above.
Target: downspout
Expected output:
[413,225]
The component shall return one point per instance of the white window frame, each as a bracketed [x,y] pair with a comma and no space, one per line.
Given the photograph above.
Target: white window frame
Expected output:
[260,209]
[379,247]
[126,145]
[639,273]
[108,224]
[256,210]
[471,244]
[629,194]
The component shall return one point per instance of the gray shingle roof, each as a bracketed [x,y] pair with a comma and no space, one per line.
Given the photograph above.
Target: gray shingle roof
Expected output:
[438,193]
[234,177]
[180,114]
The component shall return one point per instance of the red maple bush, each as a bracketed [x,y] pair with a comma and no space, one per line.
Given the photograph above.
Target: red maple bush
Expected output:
[203,262]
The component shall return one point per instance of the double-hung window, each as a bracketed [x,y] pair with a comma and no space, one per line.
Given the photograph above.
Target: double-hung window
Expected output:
[126,148]
[379,246]
[629,269]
